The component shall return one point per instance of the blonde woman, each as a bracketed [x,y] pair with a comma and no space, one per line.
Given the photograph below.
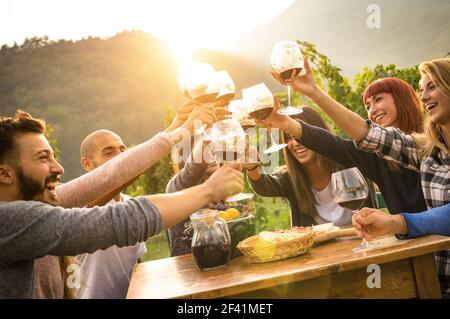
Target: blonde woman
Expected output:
[427,153]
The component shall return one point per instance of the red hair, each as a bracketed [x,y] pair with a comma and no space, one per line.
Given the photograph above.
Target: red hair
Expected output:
[410,116]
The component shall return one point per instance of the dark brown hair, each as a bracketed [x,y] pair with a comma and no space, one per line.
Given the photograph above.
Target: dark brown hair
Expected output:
[10,127]
[410,116]
[300,181]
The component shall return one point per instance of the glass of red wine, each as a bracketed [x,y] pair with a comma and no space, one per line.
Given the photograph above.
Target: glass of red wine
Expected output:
[261,103]
[350,190]
[287,57]
[228,139]
[227,89]
[239,111]
[198,82]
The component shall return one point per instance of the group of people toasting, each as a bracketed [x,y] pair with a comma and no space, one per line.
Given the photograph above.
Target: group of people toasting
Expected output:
[398,148]
[405,155]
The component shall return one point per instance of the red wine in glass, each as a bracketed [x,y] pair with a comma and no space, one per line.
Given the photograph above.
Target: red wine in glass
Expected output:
[353,204]
[261,114]
[286,75]
[226,98]
[206,98]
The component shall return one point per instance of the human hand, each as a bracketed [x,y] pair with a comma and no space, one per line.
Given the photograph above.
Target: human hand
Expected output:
[182,114]
[225,182]
[283,122]
[304,83]
[371,223]
[206,113]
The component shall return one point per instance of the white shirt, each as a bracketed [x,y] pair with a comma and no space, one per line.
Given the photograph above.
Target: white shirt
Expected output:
[328,210]
[107,273]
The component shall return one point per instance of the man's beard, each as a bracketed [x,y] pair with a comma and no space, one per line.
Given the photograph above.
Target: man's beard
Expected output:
[31,189]
[28,187]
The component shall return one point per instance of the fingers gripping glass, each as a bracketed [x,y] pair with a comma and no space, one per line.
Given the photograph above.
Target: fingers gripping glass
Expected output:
[350,190]
[260,101]
[228,139]
[287,57]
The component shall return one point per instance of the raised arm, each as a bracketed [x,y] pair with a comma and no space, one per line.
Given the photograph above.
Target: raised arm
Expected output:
[123,169]
[353,124]
[31,230]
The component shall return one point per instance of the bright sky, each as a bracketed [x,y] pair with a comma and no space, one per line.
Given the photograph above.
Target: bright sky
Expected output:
[185,24]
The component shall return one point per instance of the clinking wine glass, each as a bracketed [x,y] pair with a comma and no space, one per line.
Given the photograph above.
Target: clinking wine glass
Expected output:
[228,139]
[350,190]
[261,103]
[227,91]
[198,82]
[287,57]
[239,111]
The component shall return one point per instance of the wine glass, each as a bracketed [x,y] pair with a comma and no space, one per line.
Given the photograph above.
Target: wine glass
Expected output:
[261,104]
[228,139]
[198,82]
[239,111]
[227,89]
[226,94]
[350,190]
[287,57]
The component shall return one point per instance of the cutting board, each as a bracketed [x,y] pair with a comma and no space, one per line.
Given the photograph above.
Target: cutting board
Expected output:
[334,233]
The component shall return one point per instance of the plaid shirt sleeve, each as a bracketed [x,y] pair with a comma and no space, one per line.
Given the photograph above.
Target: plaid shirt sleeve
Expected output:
[391,144]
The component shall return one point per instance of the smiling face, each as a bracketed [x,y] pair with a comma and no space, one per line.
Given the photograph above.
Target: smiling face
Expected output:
[37,173]
[381,109]
[302,154]
[435,101]
[103,147]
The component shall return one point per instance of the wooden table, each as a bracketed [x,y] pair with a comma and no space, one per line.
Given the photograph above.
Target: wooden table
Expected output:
[330,270]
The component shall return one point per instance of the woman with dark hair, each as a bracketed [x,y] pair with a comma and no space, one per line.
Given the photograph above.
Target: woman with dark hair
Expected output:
[304,181]
[390,102]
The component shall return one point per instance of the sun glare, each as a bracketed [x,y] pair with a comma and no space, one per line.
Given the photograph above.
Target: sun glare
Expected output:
[184,24]
[187,25]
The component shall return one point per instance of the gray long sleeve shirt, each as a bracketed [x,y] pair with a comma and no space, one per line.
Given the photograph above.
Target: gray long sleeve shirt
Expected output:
[29,230]
[190,175]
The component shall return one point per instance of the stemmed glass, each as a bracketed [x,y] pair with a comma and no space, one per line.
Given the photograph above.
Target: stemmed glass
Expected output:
[228,139]
[226,93]
[198,82]
[227,89]
[287,57]
[261,104]
[239,111]
[350,190]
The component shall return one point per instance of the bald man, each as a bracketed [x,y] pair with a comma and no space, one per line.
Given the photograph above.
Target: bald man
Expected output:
[106,273]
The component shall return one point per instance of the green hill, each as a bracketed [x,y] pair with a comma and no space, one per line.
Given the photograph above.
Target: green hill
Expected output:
[124,83]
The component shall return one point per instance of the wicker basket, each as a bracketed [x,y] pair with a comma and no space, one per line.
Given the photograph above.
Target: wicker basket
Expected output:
[271,246]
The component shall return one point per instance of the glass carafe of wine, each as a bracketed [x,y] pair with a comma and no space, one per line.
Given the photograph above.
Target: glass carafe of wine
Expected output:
[261,102]
[210,241]
[228,139]
[287,57]
[350,190]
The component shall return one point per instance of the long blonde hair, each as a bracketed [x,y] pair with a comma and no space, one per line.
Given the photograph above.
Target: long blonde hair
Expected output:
[439,71]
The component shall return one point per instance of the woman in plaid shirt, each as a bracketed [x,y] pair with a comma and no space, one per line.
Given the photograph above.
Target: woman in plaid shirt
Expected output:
[428,153]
